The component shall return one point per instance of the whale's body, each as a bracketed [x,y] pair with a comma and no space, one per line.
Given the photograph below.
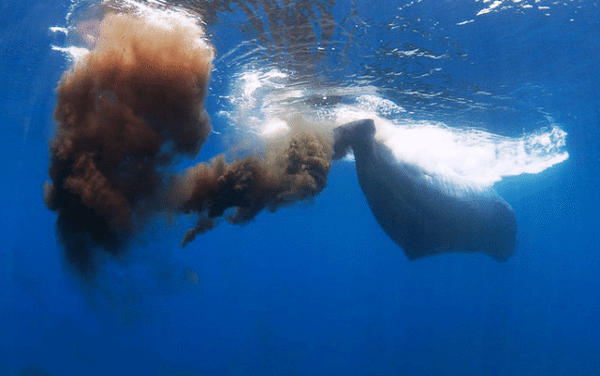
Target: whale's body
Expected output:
[419,212]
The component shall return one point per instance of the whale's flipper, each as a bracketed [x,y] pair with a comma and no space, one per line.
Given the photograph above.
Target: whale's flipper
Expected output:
[420,212]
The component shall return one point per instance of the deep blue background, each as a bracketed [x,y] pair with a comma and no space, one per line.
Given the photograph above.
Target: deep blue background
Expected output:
[319,289]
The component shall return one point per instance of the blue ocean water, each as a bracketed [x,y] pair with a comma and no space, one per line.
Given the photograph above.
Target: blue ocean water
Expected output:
[318,288]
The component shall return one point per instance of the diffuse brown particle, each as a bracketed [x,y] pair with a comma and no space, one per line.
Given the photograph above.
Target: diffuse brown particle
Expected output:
[298,172]
[129,109]
[131,106]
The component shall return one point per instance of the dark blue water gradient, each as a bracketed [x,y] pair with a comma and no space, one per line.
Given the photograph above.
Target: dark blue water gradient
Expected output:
[319,288]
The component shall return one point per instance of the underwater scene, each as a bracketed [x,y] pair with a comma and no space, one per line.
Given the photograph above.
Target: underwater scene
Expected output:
[317,187]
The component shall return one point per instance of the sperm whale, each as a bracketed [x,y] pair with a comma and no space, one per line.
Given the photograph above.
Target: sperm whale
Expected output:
[424,213]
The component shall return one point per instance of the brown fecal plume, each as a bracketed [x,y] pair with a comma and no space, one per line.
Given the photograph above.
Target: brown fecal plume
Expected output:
[125,114]
[294,169]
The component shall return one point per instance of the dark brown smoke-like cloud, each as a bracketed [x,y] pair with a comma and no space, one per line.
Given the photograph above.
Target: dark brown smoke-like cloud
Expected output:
[125,113]
[295,169]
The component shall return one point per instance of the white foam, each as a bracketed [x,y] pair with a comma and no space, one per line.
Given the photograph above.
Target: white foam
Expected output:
[159,13]
[57,29]
[464,155]
[475,156]
[490,8]
[274,127]
[462,158]
[73,53]
[162,15]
